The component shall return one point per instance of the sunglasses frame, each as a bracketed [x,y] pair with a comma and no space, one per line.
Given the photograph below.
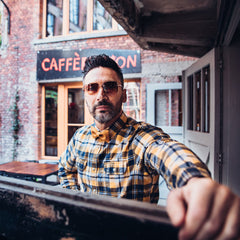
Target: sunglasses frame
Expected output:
[107,91]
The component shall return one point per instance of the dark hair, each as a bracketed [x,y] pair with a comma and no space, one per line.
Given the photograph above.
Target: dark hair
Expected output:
[101,61]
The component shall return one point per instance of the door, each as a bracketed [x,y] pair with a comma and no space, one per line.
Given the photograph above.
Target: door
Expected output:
[201,118]
[63,112]
[76,113]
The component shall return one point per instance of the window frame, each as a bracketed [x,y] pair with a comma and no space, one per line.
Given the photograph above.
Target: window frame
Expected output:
[152,88]
[66,20]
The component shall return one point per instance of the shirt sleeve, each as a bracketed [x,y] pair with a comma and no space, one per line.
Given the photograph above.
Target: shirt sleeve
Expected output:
[67,170]
[175,162]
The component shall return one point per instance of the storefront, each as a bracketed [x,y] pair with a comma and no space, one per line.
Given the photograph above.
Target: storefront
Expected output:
[63,106]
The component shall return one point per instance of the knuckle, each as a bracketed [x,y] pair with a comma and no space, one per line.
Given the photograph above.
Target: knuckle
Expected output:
[211,228]
[231,233]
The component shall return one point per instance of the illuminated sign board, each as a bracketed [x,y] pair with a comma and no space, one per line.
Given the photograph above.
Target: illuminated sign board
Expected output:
[60,64]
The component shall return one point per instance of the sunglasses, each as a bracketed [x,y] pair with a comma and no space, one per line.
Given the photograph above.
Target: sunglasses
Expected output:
[108,87]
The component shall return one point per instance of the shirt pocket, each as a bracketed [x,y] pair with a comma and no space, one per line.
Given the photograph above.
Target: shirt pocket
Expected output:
[81,164]
[115,167]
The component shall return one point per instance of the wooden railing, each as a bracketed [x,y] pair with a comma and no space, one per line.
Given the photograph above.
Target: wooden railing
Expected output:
[31,210]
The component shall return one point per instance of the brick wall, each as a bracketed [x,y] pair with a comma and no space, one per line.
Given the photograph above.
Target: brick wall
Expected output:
[18,72]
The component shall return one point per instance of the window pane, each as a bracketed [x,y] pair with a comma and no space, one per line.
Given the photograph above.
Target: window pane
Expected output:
[75,105]
[71,131]
[54,17]
[176,107]
[132,106]
[101,18]
[77,16]
[206,107]
[162,108]
[190,102]
[197,126]
[51,96]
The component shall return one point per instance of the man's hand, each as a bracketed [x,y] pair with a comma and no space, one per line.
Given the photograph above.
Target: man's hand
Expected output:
[204,209]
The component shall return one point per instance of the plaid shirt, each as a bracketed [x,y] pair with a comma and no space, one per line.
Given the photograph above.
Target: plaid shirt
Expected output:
[128,164]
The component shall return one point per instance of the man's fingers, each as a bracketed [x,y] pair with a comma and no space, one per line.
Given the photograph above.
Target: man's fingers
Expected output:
[214,222]
[200,203]
[176,207]
[231,229]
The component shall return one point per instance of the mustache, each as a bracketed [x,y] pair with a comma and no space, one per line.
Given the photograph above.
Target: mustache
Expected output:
[101,103]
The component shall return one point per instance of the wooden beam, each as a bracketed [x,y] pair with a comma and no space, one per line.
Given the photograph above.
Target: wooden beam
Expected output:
[166,32]
[193,51]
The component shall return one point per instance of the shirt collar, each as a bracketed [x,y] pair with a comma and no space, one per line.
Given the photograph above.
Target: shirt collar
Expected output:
[116,126]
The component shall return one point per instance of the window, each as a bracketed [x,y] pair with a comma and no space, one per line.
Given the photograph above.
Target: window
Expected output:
[132,105]
[168,107]
[51,99]
[78,16]
[164,107]
[75,110]
[54,17]
[199,100]
[101,18]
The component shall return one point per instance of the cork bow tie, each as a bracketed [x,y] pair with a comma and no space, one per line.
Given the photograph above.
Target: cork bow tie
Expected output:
[100,135]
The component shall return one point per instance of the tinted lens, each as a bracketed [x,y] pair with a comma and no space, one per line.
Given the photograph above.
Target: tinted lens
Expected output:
[92,88]
[110,87]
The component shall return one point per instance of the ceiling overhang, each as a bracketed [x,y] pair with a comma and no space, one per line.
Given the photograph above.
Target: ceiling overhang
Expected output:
[187,27]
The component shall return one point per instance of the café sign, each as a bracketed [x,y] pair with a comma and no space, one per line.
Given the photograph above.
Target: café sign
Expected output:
[60,64]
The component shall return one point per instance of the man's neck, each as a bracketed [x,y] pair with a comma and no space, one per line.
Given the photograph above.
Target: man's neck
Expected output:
[102,126]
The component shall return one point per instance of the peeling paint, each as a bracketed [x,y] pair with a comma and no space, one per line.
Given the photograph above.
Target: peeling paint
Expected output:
[63,216]
[44,211]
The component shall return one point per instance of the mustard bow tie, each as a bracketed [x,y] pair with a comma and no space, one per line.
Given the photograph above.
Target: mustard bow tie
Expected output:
[100,135]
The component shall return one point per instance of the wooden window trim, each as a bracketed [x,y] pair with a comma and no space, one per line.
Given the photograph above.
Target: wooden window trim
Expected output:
[65,27]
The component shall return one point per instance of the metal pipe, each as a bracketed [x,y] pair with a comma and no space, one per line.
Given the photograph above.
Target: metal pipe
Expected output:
[9,16]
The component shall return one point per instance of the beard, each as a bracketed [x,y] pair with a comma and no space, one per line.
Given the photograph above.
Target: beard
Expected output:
[105,116]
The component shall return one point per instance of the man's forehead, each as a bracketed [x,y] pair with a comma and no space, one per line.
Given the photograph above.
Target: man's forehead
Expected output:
[101,74]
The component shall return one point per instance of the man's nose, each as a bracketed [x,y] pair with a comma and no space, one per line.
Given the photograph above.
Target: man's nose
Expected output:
[101,94]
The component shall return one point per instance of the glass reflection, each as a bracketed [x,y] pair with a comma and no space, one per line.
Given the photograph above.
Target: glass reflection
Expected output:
[75,110]
[77,16]
[51,96]
[54,17]
[101,18]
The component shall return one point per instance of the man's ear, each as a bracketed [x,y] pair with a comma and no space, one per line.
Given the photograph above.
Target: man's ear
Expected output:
[124,95]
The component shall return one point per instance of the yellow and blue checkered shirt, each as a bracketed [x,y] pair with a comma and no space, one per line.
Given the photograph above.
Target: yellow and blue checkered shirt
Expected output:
[128,162]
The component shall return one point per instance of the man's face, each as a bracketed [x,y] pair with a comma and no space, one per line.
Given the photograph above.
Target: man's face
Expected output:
[104,105]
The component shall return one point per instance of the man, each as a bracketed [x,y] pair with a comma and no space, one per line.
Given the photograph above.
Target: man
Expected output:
[118,156]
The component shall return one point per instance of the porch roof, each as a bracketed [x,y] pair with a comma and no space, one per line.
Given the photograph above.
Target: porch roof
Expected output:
[186,27]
